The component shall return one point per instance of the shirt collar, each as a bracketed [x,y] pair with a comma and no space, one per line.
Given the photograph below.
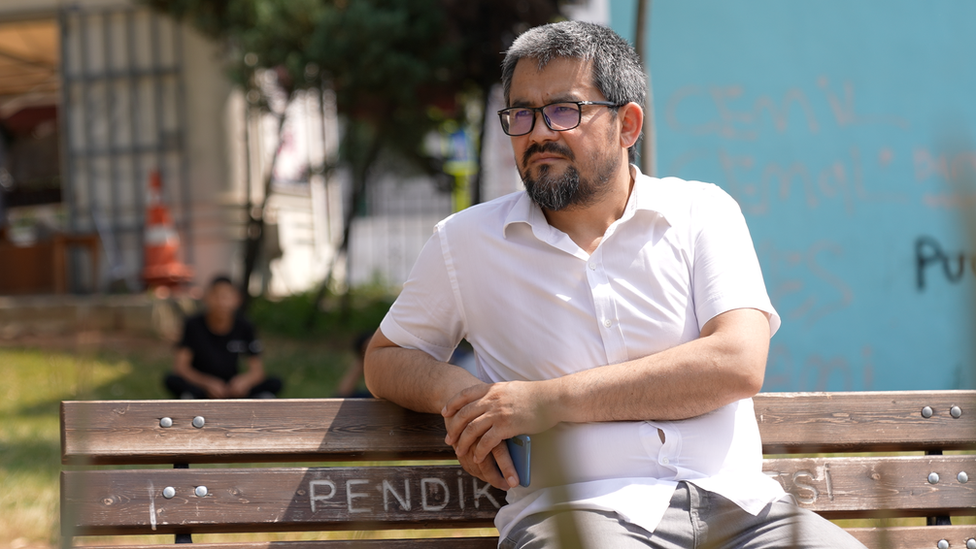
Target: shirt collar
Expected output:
[647,195]
[528,212]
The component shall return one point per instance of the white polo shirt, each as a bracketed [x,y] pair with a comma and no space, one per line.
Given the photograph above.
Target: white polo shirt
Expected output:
[535,306]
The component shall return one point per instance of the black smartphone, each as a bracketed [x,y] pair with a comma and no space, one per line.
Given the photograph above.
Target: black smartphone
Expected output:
[520,448]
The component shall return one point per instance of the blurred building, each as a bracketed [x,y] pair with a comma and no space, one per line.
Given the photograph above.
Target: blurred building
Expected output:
[96,95]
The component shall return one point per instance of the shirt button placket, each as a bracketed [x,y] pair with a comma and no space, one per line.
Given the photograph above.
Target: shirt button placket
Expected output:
[604,308]
[600,299]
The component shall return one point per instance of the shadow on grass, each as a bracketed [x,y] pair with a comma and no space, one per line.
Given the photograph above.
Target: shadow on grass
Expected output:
[31,456]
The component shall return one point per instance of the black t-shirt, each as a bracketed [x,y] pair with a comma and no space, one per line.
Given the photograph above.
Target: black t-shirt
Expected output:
[217,354]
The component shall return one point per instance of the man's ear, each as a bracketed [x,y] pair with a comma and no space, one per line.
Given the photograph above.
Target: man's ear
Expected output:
[631,118]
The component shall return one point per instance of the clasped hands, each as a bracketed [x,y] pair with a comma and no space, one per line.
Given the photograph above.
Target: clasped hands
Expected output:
[481,417]
[237,387]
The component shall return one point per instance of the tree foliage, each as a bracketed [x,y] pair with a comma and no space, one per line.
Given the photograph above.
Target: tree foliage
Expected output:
[400,69]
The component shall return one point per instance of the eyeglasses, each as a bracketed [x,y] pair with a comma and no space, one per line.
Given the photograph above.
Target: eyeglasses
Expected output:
[559,117]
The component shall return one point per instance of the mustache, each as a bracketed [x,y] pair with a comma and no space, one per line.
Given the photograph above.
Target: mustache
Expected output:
[547,147]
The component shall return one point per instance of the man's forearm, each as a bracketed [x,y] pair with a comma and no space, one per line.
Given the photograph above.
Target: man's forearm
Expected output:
[724,365]
[255,370]
[412,378]
[680,383]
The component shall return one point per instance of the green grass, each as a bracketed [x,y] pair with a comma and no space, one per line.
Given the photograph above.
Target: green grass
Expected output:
[35,379]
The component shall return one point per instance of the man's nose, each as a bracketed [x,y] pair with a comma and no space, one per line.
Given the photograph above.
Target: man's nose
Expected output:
[541,130]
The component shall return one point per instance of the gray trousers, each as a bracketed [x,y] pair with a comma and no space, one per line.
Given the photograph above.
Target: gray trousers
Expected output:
[695,519]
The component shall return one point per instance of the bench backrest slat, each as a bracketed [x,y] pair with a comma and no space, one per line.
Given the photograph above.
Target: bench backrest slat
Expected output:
[278,499]
[397,497]
[242,431]
[855,487]
[909,537]
[329,429]
[865,421]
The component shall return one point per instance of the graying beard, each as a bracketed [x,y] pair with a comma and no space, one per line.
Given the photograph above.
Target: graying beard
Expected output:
[557,193]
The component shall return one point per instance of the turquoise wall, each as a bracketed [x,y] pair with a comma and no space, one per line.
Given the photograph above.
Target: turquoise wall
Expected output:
[845,130]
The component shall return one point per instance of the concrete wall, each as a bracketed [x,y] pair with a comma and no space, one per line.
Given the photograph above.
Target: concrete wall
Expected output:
[215,149]
[60,315]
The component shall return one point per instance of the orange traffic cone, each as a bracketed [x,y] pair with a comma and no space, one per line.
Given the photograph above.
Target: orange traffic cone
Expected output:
[162,243]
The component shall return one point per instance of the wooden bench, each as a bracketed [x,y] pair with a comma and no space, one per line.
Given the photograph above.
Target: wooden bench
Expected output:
[375,490]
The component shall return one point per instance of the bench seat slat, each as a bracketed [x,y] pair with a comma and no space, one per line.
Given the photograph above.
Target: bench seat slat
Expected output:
[277,499]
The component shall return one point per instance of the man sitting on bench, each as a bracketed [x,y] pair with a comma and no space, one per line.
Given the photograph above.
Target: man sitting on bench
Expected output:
[618,319]
[206,364]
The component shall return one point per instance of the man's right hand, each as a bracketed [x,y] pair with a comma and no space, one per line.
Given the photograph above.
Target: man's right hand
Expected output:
[415,380]
[484,415]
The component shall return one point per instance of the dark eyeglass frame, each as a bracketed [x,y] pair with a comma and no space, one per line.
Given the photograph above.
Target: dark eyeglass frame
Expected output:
[541,110]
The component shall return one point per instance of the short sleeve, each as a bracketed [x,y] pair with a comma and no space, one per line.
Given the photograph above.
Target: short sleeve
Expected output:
[192,328]
[254,346]
[726,272]
[426,315]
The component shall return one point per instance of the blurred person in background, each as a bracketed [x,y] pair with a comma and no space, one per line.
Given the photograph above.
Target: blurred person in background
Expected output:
[351,385]
[207,356]
[6,182]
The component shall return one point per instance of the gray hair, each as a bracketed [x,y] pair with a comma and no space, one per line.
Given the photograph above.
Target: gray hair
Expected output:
[617,71]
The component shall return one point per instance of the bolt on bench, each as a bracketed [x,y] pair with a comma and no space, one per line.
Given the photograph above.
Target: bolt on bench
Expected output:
[379,492]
